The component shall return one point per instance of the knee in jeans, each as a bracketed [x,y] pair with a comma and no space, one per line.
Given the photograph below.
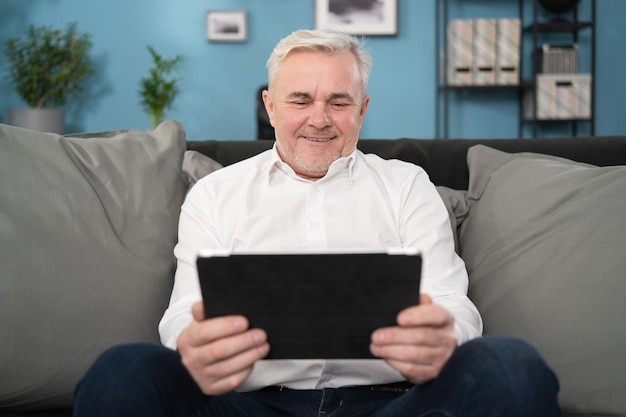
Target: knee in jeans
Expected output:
[129,380]
[508,358]
[507,373]
[129,361]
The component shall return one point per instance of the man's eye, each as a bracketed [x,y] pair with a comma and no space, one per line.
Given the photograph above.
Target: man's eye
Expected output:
[339,105]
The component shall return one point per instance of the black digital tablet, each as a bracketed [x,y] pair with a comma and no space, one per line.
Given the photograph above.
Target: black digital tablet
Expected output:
[312,305]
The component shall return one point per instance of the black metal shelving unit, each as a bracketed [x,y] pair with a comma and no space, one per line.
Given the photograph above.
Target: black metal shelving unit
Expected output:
[572,26]
[534,28]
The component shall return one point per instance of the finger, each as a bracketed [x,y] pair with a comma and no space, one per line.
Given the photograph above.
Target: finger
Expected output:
[214,387]
[415,373]
[413,353]
[233,346]
[217,386]
[417,365]
[204,332]
[229,365]
[425,315]
[413,336]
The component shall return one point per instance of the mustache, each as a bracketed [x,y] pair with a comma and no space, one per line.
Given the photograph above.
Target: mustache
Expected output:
[318,132]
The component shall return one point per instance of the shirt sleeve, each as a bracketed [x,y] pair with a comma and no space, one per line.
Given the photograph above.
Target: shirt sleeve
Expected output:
[424,224]
[195,231]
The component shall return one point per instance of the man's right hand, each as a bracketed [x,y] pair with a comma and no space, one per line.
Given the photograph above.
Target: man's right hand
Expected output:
[220,353]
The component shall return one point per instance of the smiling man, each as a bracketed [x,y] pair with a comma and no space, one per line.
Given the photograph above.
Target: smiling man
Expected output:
[315,190]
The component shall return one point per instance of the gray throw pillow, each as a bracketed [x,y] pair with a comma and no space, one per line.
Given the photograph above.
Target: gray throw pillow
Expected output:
[87,231]
[545,247]
[457,207]
[197,165]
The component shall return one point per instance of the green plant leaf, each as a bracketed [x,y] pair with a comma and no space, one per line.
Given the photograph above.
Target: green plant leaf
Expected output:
[157,92]
[47,66]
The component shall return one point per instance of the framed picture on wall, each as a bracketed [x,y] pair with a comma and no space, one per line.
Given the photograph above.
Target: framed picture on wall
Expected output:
[226,26]
[358,17]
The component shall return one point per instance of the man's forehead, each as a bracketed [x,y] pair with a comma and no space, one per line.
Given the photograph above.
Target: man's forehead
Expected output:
[313,59]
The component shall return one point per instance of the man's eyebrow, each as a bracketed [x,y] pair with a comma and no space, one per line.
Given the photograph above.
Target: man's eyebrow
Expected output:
[297,94]
[341,96]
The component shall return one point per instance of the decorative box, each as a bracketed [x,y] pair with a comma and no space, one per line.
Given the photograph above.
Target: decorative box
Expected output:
[484,52]
[459,54]
[507,51]
[560,96]
[557,59]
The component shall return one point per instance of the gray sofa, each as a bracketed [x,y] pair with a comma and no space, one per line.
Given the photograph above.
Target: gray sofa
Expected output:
[88,224]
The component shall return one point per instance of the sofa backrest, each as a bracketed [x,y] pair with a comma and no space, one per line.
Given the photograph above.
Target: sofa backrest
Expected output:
[444,159]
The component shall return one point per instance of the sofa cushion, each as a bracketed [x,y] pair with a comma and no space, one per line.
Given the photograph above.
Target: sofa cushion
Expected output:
[87,230]
[197,165]
[545,247]
[457,207]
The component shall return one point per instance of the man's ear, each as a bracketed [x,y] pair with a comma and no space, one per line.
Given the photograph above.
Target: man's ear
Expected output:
[364,105]
[269,106]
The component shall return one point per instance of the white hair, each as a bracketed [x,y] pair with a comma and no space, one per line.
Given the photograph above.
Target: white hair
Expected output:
[328,42]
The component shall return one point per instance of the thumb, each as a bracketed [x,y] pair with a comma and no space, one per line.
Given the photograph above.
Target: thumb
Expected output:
[425,299]
[197,311]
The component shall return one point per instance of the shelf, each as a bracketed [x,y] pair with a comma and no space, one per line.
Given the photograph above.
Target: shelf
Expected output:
[588,119]
[481,87]
[527,84]
[558,26]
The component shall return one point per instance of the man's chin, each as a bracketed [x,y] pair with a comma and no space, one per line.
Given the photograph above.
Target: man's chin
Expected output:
[314,169]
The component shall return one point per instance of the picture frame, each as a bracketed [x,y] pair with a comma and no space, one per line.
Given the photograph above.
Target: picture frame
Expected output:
[227,25]
[358,17]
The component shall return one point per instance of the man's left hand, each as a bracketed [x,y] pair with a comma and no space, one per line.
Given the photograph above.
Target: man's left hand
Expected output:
[421,344]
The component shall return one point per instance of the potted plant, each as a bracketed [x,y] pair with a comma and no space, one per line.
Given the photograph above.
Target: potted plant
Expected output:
[47,66]
[157,91]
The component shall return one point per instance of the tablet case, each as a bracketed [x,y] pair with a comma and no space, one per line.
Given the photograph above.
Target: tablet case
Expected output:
[317,305]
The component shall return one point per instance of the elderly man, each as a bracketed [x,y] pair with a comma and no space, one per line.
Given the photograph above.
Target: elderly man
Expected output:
[433,362]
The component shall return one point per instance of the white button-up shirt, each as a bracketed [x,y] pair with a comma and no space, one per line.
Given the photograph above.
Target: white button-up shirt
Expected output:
[363,202]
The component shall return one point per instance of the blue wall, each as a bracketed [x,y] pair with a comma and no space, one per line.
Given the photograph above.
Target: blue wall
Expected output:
[219,80]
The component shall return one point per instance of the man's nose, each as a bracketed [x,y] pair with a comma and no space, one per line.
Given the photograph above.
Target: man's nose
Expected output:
[319,116]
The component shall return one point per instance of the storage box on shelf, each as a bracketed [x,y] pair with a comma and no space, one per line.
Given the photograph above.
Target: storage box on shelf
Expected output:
[559,97]
[508,34]
[459,52]
[484,52]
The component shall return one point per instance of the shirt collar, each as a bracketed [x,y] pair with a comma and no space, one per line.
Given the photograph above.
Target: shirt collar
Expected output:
[343,166]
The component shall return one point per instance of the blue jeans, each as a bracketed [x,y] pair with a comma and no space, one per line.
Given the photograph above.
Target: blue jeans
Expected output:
[488,376]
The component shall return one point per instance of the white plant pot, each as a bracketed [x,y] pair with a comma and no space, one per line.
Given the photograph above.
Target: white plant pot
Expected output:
[43,120]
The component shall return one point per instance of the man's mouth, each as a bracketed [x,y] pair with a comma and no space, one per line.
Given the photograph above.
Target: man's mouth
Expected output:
[314,139]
